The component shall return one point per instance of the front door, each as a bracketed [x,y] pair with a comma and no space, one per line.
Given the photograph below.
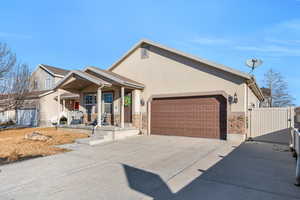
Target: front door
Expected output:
[128,107]
[89,112]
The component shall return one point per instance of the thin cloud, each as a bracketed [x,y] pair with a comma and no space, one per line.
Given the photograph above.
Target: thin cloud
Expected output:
[283,51]
[14,35]
[289,25]
[293,24]
[285,42]
[210,41]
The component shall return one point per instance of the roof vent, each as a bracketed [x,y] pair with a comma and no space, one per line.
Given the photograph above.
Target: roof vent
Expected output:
[144,53]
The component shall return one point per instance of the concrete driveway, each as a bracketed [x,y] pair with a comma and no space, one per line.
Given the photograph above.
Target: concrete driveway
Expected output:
[103,172]
[156,167]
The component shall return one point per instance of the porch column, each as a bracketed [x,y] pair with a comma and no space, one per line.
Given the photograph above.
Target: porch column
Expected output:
[64,105]
[122,107]
[99,107]
[58,107]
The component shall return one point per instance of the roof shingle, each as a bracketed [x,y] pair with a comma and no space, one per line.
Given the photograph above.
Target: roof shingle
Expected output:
[56,70]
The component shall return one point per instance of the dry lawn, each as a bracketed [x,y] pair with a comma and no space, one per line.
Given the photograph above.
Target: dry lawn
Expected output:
[13,146]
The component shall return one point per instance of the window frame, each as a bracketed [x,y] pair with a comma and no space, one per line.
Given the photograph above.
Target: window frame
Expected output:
[35,84]
[108,103]
[48,82]
[91,95]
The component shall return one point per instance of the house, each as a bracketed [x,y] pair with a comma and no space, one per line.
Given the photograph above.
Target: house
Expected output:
[24,114]
[158,90]
[34,112]
[267,94]
[45,77]
[297,116]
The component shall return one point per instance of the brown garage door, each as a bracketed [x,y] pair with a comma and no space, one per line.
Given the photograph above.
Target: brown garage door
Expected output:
[189,116]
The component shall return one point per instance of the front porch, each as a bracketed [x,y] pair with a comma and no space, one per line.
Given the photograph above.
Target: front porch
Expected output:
[98,95]
[98,135]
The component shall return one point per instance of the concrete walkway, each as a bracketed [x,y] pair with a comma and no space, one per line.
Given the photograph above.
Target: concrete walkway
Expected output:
[156,167]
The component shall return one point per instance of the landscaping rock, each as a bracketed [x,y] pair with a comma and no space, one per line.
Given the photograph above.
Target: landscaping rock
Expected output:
[36,136]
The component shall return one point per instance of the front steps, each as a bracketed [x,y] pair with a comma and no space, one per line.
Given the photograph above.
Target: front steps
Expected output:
[102,134]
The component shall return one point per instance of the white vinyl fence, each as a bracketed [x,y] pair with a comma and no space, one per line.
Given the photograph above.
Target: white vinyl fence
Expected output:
[7,116]
[267,120]
[27,117]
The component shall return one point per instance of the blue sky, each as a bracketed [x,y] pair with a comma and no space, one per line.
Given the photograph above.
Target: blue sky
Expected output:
[75,33]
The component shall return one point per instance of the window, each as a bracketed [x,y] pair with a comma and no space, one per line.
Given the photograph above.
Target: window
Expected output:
[35,84]
[108,102]
[88,99]
[108,97]
[48,83]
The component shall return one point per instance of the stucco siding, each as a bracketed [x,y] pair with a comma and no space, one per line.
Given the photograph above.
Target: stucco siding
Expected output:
[252,99]
[166,73]
[40,75]
[48,109]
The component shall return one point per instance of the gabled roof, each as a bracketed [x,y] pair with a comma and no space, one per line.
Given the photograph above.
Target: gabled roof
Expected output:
[55,71]
[115,77]
[189,56]
[218,66]
[27,95]
[67,95]
[266,91]
[85,76]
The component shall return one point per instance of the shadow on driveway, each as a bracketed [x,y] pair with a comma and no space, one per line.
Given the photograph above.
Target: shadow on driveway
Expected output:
[253,170]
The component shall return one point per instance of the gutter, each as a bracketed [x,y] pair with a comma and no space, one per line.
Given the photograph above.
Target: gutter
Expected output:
[251,83]
[118,80]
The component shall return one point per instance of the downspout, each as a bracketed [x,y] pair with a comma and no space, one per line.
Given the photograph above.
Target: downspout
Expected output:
[247,112]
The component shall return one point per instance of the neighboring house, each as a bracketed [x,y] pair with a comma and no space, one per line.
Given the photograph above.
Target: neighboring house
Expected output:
[25,114]
[267,94]
[297,116]
[45,77]
[161,91]
[34,112]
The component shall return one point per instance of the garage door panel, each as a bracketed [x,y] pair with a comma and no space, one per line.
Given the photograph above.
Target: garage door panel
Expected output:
[189,116]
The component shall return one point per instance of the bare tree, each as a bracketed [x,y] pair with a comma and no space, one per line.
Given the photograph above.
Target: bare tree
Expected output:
[14,80]
[279,94]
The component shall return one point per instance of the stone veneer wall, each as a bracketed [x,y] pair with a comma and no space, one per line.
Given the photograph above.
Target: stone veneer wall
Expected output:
[85,117]
[144,123]
[136,120]
[116,120]
[236,123]
[94,117]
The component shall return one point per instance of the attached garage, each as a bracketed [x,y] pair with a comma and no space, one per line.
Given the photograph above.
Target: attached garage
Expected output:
[200,116]
[27,117]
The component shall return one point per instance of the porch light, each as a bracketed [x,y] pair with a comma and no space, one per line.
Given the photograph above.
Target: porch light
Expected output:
[142,102]
[235,98]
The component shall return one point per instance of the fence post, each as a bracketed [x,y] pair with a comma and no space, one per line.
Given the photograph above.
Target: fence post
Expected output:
[249,123]
[297,149]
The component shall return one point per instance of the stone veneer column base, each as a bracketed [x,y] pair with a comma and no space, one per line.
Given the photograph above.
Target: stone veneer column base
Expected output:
[136,120]
[144,128]
[236,127]
[116,120]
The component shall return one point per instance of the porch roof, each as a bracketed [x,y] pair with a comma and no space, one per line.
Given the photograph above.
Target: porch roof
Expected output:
[77,79]
[111,76]
[68,95]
